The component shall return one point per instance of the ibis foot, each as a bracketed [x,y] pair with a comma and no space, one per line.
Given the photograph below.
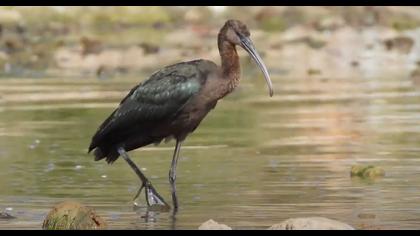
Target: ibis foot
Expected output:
[153,199]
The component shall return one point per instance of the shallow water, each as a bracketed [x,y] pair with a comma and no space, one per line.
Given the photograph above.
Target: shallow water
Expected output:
[253,162]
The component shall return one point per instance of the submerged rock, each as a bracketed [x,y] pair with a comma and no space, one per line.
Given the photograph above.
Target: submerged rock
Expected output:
[213,225]
[367,171]
[311,223]
[374,172]
[357,170]
[73,215]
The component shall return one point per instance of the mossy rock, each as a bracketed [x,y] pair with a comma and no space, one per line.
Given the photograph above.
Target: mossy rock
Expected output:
[72,215]
[373,172]
[357,170]
[366,171]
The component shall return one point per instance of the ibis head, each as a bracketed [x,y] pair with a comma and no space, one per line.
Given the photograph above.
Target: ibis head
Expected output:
[238,34]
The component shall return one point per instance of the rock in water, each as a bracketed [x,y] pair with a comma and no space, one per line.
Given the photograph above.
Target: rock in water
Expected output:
[357,170]
[213,225]
[72,215]
[366,171]
[311,223]
[374,172]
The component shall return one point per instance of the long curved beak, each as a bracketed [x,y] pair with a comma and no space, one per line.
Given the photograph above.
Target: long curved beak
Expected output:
[249,47]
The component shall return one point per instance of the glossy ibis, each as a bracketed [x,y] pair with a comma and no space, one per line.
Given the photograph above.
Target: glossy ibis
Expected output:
[171,104]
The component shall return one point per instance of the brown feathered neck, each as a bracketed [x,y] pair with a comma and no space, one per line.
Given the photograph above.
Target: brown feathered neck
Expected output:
[229,58]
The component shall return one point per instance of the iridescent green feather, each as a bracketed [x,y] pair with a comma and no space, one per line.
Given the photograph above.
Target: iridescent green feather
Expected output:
[160,97]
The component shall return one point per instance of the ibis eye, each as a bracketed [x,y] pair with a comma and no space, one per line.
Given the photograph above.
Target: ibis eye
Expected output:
[240,35]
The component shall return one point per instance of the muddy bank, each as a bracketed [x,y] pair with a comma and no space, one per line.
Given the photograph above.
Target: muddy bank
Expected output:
[297,52]
[297,41]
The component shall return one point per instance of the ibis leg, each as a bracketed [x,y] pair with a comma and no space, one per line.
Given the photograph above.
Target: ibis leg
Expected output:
[172,174]
[152,196]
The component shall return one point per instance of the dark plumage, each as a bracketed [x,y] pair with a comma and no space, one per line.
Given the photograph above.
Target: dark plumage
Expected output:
[172,103]
[154,110]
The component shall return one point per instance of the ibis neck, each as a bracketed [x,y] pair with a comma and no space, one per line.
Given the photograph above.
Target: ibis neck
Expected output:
[230,62]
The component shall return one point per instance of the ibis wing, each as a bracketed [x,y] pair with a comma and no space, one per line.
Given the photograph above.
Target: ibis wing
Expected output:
[158,98]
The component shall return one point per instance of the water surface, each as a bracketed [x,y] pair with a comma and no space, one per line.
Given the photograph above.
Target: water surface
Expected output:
[253,162]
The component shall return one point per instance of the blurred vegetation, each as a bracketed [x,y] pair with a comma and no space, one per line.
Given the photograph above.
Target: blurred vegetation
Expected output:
[30,36]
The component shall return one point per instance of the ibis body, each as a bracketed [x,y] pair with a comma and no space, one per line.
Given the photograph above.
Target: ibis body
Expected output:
[172,103]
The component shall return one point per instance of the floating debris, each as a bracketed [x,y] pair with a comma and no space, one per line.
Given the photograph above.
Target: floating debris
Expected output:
[50,167]
[78,167]
[35,144]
